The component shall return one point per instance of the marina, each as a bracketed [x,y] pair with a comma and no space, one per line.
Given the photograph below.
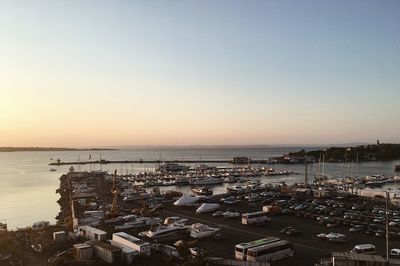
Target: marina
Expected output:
[164,205]
[319,211]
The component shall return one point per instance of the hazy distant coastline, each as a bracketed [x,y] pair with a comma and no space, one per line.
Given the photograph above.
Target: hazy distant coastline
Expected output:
[16,149]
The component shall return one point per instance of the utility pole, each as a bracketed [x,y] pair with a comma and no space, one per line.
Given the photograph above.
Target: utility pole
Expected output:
[387,227]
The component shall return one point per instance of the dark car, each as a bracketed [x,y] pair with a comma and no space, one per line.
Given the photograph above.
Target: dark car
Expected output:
[219,237]
[293,232]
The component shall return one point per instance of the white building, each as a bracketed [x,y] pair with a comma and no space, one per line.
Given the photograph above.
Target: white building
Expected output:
[144,248]
[92,233]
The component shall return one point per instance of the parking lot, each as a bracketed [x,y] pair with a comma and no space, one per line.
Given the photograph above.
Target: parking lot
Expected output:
[334,215]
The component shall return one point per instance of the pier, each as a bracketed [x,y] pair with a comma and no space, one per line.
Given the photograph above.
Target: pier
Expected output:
[141,161]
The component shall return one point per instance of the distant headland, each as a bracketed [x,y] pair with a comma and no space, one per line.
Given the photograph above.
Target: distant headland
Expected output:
[361,153]
[16,149]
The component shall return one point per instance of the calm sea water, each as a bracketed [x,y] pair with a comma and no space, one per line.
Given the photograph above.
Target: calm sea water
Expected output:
[27,187]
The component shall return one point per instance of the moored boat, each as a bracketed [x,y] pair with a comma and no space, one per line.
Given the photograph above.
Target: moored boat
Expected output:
[165,233]
[199,230]
[202,191]
[208,180]
[3,225]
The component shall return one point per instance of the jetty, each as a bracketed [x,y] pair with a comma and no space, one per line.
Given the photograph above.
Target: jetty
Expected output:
[235,160]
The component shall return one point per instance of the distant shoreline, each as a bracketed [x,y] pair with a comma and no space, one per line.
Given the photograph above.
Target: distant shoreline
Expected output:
[18,149]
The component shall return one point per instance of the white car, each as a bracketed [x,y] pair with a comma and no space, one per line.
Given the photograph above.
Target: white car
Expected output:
[395,252]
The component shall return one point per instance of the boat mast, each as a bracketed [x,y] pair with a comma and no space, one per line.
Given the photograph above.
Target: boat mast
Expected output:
[357,165]
[323,163]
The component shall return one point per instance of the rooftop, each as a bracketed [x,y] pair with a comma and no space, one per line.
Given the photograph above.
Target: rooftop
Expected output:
[357,257]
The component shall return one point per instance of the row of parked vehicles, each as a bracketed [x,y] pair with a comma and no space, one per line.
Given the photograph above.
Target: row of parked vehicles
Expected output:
[360,216]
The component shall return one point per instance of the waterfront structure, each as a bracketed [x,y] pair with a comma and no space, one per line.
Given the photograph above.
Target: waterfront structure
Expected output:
[241,160]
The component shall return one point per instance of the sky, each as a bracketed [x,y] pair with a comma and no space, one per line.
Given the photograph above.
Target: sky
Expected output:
[103,73]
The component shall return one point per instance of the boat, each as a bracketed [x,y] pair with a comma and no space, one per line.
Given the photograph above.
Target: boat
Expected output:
[172,167]
[186,201]
[165,232]
[231,201]
[53,170]
[375,183]
[174,220]
[3,225]
[132,221]
[199,230]
[204,167]
[229,214]
[207,207]
[208,180]
[171,194]
[202,191]
[181,181]
[130,194]
[236,189]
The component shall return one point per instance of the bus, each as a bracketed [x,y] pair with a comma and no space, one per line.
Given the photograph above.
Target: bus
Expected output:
[367,249]
[241,249]
[271,252]
[255,217]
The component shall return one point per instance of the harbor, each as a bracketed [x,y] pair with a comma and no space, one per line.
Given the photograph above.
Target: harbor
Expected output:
[205,205]
[98,210]
[311,209]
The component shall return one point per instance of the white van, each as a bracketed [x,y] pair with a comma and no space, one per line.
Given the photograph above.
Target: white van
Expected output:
[364,249]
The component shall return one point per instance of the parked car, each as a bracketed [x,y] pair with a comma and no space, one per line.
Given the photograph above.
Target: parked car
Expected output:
[395,252]
[293,232]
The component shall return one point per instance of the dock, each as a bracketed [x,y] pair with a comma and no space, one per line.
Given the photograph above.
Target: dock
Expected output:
[141,161]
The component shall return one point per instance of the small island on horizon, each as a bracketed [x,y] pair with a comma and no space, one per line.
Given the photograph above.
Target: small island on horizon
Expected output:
[17,149]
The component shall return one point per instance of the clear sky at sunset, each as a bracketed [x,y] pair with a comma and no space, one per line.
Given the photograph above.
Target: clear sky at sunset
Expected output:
[98,73]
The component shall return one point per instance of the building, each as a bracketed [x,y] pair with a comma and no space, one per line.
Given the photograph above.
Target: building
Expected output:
[132,242]
[354,259]
[92,233]
[83,251]
[60,236]
[128,254]
[105,251]
[241,160]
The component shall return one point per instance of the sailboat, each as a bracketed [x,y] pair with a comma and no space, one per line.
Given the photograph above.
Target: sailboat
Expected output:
[321,168]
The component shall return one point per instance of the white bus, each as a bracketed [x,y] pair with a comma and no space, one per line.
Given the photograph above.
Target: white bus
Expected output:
[367,249]
[255,217]
[241,249]
[271,252]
